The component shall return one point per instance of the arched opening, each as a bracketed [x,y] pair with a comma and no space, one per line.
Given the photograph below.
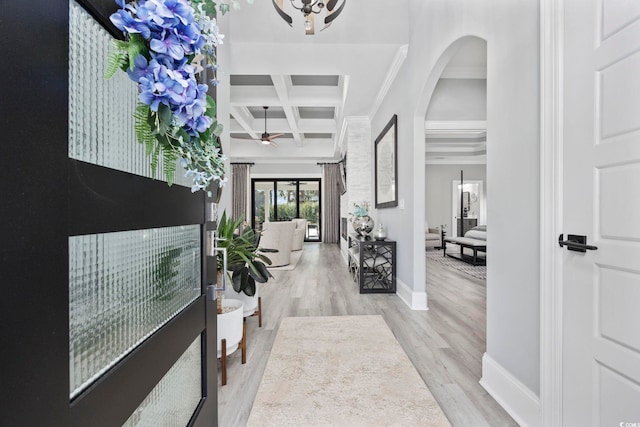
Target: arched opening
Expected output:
[471,62]
[450,137]
[455,153]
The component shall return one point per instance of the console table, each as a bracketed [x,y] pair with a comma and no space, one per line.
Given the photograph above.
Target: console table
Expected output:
[372,264]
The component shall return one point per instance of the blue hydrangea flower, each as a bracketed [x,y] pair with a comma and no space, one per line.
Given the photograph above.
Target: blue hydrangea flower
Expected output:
[174,34]
[123,21]
[168,44]
[143,68]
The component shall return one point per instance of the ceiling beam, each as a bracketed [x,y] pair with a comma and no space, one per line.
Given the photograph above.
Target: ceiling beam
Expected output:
[339,149]
[282,85]
[318,96]
[244,120]
[282,125]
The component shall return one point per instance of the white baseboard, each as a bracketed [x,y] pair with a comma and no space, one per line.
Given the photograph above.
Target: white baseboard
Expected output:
[518,400]
[415,300]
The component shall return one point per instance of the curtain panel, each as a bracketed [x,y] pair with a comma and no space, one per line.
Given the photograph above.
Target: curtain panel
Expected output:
[240,182]
[331,209]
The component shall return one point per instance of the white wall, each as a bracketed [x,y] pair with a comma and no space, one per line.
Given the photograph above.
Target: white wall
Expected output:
[511,29]
[438,190]
[459,99]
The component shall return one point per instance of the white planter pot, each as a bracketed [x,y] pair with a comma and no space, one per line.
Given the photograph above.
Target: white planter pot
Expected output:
[250,304]
[230,325]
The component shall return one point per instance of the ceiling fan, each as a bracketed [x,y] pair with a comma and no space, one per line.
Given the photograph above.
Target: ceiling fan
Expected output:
[265,138]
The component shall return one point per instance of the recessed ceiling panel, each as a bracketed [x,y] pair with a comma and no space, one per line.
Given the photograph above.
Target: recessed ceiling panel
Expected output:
[317,112]
[250,80]
[310,80]
[272,112]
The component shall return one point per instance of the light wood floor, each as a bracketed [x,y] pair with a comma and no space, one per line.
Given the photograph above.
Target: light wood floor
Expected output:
[445,343]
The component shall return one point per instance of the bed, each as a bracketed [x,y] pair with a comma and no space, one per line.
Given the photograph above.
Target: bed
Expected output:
[474,240]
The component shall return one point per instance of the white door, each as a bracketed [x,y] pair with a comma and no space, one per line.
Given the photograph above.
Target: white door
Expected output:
[601,295]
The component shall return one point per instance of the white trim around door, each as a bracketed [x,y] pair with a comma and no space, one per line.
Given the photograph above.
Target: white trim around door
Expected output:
[551,113]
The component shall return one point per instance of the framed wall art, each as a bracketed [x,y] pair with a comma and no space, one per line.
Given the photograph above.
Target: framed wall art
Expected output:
[386,165]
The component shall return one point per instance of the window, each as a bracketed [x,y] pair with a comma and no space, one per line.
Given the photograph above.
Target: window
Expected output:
[285,199]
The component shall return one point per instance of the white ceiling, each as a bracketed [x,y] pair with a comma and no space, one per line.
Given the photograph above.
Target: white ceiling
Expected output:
[312,82]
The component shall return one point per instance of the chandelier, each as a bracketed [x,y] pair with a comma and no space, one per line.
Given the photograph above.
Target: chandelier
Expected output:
[309,9]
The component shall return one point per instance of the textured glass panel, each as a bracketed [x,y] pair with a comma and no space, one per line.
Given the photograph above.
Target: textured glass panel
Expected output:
[174,399]
[101,126]
[122,287]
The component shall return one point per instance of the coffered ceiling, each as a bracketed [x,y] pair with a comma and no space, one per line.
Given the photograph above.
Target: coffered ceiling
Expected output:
[304,108]
[312,83]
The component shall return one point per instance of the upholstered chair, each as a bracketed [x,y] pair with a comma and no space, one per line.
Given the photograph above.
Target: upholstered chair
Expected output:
[298,233]
[278,235]
[432,237]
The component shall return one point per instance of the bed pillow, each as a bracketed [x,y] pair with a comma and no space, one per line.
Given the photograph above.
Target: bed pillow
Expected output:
[476,233]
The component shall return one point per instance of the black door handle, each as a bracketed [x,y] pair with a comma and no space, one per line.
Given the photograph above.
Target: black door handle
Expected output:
[576,243]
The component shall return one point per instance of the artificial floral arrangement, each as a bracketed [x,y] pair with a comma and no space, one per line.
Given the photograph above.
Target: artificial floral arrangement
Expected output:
[165,44]
[359,210]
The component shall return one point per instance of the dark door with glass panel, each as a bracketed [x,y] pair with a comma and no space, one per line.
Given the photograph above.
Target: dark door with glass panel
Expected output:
[285,199]
[141,326]
[106,319]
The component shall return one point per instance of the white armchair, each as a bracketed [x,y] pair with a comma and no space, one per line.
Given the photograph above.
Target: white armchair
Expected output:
[298,233]
[432,237]
[279,236]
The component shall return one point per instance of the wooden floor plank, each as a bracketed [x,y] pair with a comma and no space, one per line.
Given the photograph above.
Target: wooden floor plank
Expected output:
[445,343]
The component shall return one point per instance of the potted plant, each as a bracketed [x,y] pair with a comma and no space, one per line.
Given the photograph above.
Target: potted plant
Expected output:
[245,266]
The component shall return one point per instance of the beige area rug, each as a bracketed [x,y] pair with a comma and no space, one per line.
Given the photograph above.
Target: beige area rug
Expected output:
[341,371]
[293,261]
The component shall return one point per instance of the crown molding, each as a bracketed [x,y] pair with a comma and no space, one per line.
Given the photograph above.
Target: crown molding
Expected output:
[392,73]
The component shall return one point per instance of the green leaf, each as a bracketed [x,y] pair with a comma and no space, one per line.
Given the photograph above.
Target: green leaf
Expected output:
[183,134]
[143,130]
[240,279]
[205,136]
[117,60]
[265,258]
[210,8]
[164,118]
[261,275]
[136,47]
[250,287]
[154,159]
[217,131]
[170,158]
[211,107]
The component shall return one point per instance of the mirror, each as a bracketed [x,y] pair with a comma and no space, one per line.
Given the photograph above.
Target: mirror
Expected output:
[472,206]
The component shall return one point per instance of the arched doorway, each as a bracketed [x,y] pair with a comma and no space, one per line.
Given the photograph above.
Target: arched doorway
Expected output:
[450,135]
